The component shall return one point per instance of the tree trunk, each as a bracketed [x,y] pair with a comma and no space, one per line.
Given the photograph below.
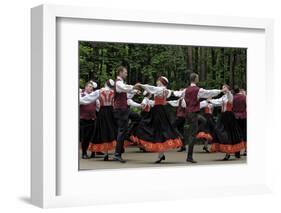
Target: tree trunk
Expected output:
[202,64]
[189,61]
[213,63]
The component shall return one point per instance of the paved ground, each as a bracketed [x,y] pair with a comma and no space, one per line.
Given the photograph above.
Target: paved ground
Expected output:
[136,159]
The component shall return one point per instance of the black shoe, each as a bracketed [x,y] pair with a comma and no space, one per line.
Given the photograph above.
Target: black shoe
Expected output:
[85,156]
[237,155]
[162,158]
[119,158]
[190,160]
[105,158]
[93,155]
[206,149]
[181,149]
[227,156]
[245,154]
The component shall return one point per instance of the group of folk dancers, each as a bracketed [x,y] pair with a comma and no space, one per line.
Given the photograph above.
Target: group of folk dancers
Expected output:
[152,130]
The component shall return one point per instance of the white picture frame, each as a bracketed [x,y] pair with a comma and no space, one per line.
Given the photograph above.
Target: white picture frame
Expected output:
[47,164]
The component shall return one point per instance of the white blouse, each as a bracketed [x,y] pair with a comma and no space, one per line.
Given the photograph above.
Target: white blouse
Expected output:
[122,87]
[157,90]
[132,103]
[89,98]
[226,98]
[203,93]
[204,104]
[147,101]
[176,103]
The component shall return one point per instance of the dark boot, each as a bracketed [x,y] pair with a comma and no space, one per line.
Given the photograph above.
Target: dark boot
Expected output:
[205,148]
[162,158]
[227,156]
[118,158]
[190,154]
[237,154]
[85,156]
[105,157]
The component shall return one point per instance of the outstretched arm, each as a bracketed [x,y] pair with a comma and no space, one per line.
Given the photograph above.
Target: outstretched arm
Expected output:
[216,102]
[179,93]
[174,103]
[89,98]
[132,103]
[151,89]
[122,87]
[203,93]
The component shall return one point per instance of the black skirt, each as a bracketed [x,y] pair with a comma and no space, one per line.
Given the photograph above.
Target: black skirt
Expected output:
[155,132]
[207,130]
[230,139]
[86,130]
[104,137]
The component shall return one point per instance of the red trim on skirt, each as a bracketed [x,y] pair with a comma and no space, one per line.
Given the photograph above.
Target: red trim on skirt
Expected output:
[106,146]
[227,148]
[103,147]
[157,147]
[204,135]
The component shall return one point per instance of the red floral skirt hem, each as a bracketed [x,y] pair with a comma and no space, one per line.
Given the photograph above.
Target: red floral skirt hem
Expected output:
[157,147]
[103,147]
[204,135]
[227,148]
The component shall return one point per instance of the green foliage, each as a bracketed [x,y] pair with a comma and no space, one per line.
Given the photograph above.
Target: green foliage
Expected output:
[145,62]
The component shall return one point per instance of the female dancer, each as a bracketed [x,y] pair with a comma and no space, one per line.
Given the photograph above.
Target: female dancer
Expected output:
[207,130]
[145,116]
[230,139]
[158,135]
[87,119]
[104,137]
[180,117]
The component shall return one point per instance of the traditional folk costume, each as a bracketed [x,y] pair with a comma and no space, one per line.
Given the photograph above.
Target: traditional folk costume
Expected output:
[180,117]
[207,130]
[240,112]
[104,137]
[230,139]
[158,135]
[145,118]
[134,118]
[121,115]
[192,94]
[86,123]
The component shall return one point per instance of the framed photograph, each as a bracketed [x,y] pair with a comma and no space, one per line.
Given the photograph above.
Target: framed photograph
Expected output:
[139,106]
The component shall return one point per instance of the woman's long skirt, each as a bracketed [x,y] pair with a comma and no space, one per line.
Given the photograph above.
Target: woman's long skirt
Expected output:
[104,137]
[207,130]
[155,132]
[230,138]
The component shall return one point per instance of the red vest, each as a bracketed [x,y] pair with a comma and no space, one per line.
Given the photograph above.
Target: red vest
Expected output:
[106,97]
[226,107]
[120,99]
[181,112]
[191,99]
[161,99]
[239,106]
[88,112]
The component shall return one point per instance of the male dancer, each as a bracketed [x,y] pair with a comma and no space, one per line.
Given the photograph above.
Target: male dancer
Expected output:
[240,112]
[121,110]
[192,94]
